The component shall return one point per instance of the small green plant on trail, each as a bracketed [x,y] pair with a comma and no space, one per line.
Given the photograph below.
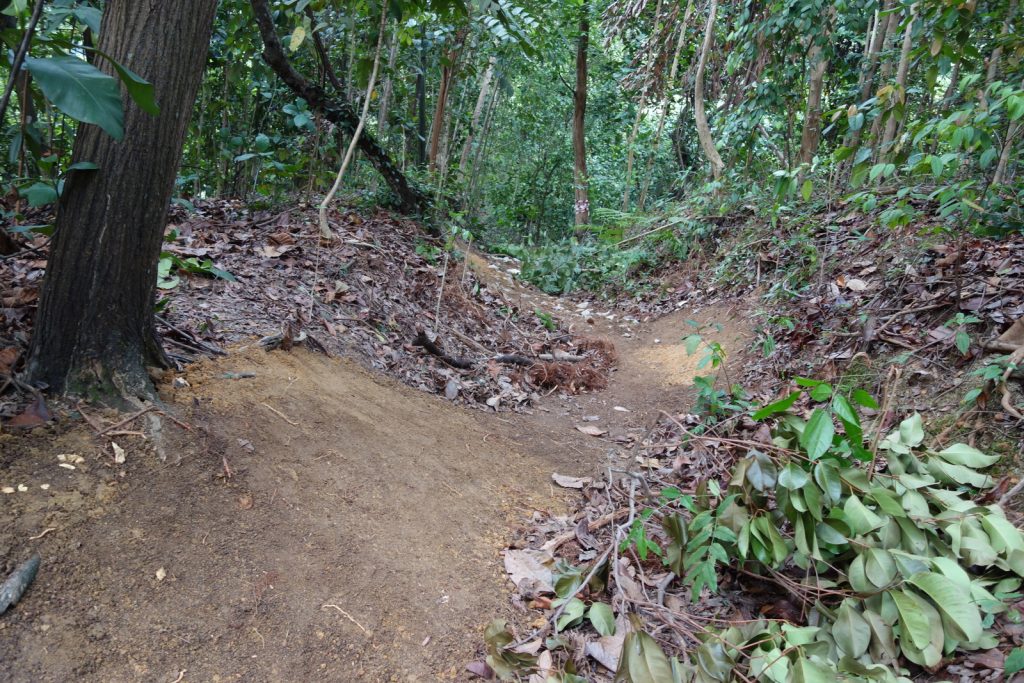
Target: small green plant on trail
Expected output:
[961,339]
[713,402]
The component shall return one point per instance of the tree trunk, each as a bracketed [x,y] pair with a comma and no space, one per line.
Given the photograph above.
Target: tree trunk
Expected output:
[449,70]
[997,54]
[900,89]
[579,120]
[629,151]
[707,142]
[94,331]
[421,105]
[885,73]
[811,134]
[388,89]
[339,112]
[999,176]
[665,102]
[869,63]
[474,125]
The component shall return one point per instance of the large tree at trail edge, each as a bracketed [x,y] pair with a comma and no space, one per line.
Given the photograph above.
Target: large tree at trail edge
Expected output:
[94,331]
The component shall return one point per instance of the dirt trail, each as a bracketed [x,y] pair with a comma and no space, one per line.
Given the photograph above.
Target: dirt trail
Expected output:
[348,489]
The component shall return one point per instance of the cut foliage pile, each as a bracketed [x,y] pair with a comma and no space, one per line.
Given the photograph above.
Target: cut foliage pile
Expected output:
[788,543]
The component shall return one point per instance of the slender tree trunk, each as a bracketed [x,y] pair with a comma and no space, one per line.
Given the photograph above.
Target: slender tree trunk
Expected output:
[818,66]
[899,93]
[869,63]
[884,74]
[421,104]
[94,331]
[993,61]
[474,125]
[579,123]
[387,90]
[629,151]
[339,112]
[449,71]
[666,101]
[707,142]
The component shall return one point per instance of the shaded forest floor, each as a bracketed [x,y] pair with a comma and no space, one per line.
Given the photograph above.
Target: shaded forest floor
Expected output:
[326,519]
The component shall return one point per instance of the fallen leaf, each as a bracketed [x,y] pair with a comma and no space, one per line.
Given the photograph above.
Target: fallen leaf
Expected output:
[245,501]
[571,482]
[480,670]
[35,415]
[856,285]
[119,454]
[529,570]
[8,357]
[591,430]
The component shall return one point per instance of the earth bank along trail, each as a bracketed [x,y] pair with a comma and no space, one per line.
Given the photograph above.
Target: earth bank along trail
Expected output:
[357,538]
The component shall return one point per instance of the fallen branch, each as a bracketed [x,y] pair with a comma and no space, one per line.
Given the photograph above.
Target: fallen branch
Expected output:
[422,340]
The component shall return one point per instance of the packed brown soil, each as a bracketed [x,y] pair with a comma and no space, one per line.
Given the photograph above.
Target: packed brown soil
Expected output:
[318,522]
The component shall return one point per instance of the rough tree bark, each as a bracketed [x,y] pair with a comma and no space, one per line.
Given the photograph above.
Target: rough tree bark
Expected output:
[339,112]
[94,331]
[811,134]
[707,142]
[579,123]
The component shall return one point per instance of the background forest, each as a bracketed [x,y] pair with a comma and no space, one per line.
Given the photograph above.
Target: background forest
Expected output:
[907,109]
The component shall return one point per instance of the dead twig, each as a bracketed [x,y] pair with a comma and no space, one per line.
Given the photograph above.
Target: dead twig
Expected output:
[349,617]
[280,414]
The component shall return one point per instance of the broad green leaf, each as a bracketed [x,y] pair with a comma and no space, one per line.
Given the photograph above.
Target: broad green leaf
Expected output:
[1004,536]
[950,473]
[851,631]
[602,618]
[761,473]
[822,392]
[777,407]
[793,477]
[807,670]
[817,436]
[805,190]
[298,37]
[643,661]
[90,16]
[962,454]
[862,520]
[827,477]
[865,399]
[912,431]
[959,614]
[81,91]
[844,411]
[1014,661]
[879,567]
[39,194]
[675,529]
[692,343]
[912,619]
[574,612]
